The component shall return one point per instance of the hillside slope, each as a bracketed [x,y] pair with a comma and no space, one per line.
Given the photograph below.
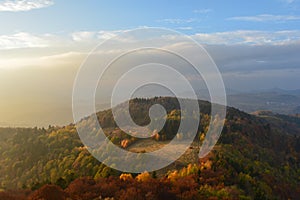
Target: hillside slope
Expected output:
[253,157]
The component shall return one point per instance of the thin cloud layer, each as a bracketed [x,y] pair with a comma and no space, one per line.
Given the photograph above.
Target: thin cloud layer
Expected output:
[178,20]
[237,51]
[249,37]
[24,5]
[241,37]
[42,76]
[85,36]
[202,11]
[22,40]
[266,18]
[288,1]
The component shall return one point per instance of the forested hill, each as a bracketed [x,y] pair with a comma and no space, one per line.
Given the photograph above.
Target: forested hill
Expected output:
[254,158]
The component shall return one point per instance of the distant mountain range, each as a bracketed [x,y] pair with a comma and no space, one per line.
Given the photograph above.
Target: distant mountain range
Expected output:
[276,100]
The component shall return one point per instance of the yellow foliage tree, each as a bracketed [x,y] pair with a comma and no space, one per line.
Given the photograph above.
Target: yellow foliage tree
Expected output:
[192,169]
[173,176]
[126,177]
[145,176]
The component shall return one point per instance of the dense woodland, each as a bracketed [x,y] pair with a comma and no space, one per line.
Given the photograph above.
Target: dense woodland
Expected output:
[256,157]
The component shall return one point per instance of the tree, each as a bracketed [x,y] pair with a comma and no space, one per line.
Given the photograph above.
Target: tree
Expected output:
[145,176]
[126,177]
[49,192]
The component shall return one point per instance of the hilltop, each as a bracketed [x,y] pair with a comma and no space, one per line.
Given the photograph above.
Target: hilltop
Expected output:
[257,156]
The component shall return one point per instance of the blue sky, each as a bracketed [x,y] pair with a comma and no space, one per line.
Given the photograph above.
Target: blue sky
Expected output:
[255,44]
[65,16]
[60,19]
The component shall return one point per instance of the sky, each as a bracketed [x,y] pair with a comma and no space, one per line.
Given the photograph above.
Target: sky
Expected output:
[255,44]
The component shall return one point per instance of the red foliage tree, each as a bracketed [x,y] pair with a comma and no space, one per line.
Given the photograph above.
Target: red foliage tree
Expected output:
[83,188]
[48,192]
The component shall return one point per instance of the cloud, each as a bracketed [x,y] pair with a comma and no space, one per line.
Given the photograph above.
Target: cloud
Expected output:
[84,36]
[24,5]
[245,59]
[288,1]
[238,37]
[74,40]
[240,56]
[202,11]
[241,64]
[249,37]
[88,39]
[178,21]
[266,18]
[64,60]
[46,76]
[22,40]
[185,28]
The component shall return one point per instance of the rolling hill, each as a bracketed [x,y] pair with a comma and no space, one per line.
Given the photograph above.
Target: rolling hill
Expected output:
[256,157]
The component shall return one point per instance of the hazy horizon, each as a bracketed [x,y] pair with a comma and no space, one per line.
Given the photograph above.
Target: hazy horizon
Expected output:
[44,43]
